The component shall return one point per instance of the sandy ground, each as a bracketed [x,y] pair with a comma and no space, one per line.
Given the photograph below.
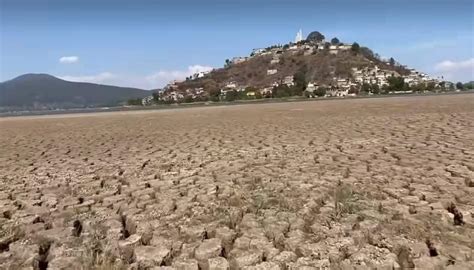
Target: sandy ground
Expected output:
[343,184]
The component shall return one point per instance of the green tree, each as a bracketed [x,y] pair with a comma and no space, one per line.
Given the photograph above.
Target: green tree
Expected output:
[431,86]
[227,63]
[335,41]
[281,91]
[392,61]
[451,86]
[459,86]
[420,87]
[374,88]
[188,99]
[231,95]
[134,102]
[299,79]
[315,36]
[395,83]
[365,88]
[320,91]
[355,47]
[214,94]
[406,87]
[156,98]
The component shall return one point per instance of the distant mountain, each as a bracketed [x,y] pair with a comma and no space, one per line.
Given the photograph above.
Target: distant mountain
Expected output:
[43,91]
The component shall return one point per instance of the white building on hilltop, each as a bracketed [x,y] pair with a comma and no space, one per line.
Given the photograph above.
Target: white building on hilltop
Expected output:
[299,36]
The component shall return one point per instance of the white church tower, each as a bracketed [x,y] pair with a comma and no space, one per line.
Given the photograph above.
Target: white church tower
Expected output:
[299,36]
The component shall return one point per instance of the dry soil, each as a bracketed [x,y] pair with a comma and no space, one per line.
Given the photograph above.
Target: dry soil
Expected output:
[382,183]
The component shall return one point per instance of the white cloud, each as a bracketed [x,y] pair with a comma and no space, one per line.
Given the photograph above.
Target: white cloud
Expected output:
[456,70]
[68,59]
[150,81]
[454,66]
[163,77]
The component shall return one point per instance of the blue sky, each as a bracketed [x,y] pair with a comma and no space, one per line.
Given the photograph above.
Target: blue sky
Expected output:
[145,43]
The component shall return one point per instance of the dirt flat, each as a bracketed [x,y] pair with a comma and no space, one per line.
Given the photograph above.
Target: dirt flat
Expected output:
[343,184]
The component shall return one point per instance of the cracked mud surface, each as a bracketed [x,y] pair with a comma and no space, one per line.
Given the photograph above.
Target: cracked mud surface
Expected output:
[347,184]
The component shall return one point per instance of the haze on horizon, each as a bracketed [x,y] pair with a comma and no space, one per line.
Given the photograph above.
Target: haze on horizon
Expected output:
[145,44]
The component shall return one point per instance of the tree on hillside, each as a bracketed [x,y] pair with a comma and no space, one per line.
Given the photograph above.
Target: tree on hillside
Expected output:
[392,61]
[231,95]
[374,88]
[227,63]
[459,86]
[365,88]
[188,99]
[430,86]
[335,41]
[469,85]
[420,87]
[300,81]
[367,53]
[355,47]
[315,37]
[156,97]
[396,83]
[281,91]
[320,91]
[134,102]
[451,87]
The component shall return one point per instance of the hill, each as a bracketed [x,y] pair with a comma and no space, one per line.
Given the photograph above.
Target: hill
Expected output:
[42,91]
[313,61]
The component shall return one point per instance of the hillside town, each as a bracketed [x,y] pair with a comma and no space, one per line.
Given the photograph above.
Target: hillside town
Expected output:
[379,76]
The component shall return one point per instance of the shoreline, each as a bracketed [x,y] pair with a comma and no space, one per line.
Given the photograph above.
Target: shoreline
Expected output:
[209,104]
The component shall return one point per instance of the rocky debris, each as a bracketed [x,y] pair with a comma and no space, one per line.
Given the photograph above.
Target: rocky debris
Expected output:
[218,263]
[127,246]
[405,259]
[285,258]
[431,248]
[209,248]
[227,237]
[264,266]
[186,264]
[149,256]
[77,228]
[458,216]
[240,259]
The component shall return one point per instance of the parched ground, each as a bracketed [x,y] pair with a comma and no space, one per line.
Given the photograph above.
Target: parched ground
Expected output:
[346,184]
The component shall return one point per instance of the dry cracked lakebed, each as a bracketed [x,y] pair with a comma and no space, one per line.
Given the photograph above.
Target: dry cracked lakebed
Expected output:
[384,183]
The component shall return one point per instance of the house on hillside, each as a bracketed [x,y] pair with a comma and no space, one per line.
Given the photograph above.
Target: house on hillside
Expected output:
[256,52]
[231,85]
[289,81]
[275,60]
[345,47]
[272,71]
[238,60]
[266,92]
[337,92]
[200,74]
[311,87]
[147,100]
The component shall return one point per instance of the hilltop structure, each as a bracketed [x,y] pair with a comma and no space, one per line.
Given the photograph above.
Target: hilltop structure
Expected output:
[299,36]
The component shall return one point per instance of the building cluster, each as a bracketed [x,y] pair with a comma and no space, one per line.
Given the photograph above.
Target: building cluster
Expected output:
[339,87]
